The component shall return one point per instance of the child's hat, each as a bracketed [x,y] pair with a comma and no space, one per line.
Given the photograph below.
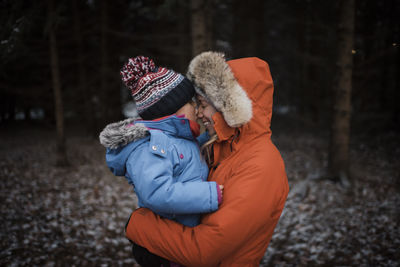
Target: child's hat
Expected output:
[157,91]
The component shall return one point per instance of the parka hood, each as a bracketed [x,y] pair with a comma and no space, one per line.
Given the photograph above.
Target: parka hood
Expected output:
[241,89]
[120,140]
[121,133]
[123,137]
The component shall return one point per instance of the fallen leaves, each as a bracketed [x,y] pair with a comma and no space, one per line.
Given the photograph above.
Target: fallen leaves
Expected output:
[76,216]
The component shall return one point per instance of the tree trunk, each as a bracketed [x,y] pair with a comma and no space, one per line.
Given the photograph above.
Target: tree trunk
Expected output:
[82,81]
[184,39]
[61,154]
[201,40]
[240,28]
[248,37]
[340,135]
[392,74]
[257,30]
[305,51]
[104,62]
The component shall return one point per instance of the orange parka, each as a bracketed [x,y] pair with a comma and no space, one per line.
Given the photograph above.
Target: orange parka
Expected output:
[252,171]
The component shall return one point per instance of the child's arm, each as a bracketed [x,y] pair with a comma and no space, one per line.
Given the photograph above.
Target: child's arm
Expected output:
[154,184]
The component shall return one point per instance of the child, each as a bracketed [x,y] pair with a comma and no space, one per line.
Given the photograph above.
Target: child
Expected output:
[159,155]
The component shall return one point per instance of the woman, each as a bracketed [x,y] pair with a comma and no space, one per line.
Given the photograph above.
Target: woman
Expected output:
[243,159]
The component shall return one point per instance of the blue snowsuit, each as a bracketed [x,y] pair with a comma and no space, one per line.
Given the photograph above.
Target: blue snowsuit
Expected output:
[164,165]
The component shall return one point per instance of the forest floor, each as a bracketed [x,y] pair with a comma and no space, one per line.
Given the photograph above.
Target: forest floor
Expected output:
[75,216]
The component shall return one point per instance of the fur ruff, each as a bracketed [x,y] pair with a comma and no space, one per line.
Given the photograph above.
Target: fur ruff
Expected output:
[214,80]
[122,133]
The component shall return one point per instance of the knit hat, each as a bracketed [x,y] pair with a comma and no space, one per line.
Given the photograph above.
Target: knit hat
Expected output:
[157,91]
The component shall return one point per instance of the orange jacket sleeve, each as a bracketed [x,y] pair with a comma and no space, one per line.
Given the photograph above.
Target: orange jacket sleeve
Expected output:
[254,197]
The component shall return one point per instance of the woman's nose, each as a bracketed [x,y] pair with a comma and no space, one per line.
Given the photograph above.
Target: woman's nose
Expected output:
[200,112]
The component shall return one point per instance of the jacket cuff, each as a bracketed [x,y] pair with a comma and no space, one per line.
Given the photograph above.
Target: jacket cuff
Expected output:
[213,196]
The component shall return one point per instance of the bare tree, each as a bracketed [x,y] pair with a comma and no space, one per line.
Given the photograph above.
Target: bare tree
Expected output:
[61,157]
[340,132]
[201,34]
[82,80]
[248,37]
[104,57]
[185,38]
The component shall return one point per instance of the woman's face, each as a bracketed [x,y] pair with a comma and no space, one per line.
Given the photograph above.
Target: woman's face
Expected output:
[189,110]
[205,113]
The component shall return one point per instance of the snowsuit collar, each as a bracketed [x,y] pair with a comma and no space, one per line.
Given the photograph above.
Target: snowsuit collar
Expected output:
[120,134]
[121,138]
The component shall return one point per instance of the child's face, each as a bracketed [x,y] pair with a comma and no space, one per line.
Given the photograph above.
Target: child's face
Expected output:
[205,113]
[189,110]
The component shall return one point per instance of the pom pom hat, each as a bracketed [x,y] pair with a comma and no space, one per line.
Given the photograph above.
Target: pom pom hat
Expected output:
[157,91]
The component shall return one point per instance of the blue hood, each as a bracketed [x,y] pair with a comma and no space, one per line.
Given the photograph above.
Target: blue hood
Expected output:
[121,138]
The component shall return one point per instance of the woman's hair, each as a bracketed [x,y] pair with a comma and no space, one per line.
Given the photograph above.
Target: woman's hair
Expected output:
[206,147]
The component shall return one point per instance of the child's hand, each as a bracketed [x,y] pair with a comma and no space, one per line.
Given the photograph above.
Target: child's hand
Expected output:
[221,188]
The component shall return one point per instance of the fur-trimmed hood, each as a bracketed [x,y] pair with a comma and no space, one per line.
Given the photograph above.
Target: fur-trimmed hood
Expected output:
[214,80]
[122,138]
[121,133]
[241,89]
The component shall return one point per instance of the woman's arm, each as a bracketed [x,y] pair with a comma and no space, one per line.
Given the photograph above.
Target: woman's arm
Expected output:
[253,198]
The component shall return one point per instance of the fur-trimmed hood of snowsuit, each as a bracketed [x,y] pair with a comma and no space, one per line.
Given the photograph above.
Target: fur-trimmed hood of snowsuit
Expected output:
[122,133]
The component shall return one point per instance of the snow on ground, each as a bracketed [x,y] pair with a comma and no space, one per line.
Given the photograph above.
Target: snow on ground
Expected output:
[75,216]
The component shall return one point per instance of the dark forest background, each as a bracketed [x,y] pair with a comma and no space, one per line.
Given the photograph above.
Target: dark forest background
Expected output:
[297,38]
[336,71]
[335,64]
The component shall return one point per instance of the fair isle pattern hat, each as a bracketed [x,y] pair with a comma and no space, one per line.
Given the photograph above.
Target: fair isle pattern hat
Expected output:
[157,91]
